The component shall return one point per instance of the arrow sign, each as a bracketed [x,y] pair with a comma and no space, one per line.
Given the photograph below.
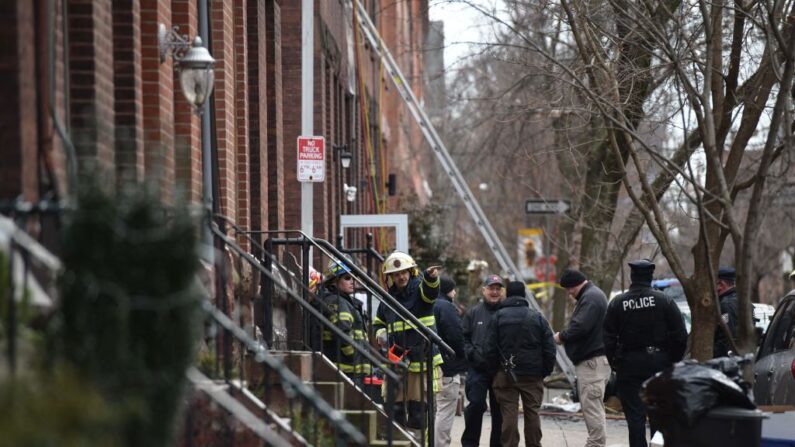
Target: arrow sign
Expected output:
[541,206]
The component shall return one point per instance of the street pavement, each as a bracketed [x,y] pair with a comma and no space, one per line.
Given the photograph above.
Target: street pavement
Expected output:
[558,429]
[562,430]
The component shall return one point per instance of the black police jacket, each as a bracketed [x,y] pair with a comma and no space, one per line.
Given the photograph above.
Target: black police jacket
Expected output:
[448,326]
[728,311]
[583,338]
[523,334]
[475,326]
[643,319]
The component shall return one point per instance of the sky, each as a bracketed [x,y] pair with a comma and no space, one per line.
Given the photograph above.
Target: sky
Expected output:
[462,24]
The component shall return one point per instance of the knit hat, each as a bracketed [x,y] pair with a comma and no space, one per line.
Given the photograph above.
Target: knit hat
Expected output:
[727,273]
[641,271]
[446,285]
[516,288]
[571,278]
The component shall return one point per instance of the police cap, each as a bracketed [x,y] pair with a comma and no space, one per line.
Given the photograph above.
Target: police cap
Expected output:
[641,271]
[641,265]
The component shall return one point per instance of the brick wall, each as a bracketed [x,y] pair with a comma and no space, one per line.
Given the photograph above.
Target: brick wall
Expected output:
[158,99]
[275,114]
[222,23]
[127,83]
[91,106]
[256,36]
[125,111]
[241,117]
[18,133]
[187,125]
[291,116]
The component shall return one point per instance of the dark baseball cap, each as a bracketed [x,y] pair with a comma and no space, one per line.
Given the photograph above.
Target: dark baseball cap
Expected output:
[493,279]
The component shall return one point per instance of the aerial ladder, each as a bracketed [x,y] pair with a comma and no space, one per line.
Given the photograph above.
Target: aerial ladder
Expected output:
[449,166]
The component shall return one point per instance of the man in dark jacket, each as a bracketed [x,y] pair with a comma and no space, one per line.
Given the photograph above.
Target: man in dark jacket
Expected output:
[644,334]
[479,376]
[448,325]
[520,345]
[584,345]
[727,294]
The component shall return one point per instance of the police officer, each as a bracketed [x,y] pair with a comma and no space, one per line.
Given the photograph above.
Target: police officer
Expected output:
[727,294]
[644,333]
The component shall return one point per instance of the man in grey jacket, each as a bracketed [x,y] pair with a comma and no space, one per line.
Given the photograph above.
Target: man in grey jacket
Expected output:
[582,339]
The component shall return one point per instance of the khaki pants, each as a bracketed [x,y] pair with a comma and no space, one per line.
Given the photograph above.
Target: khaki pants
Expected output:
[592,377]
[416,387]
[531,389]
[446,402]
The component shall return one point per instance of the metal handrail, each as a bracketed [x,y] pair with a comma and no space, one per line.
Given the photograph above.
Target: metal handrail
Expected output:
[394,303]
[376,359]
[384,296]
[291,380]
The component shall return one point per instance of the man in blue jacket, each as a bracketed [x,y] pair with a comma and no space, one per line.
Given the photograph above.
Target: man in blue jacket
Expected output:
[520,346]
[448,325]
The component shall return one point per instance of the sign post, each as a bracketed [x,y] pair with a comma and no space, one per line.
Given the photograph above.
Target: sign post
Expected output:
[311,159]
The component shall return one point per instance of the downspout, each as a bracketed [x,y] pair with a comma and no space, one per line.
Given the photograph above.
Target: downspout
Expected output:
[71,154]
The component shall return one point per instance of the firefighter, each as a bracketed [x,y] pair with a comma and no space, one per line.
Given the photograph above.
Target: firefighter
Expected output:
[337,304]
[417,292]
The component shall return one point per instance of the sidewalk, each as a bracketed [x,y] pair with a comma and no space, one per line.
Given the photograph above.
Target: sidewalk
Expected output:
[558,431]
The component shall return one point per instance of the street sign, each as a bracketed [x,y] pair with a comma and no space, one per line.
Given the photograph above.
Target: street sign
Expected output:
[541,206]
[311,159]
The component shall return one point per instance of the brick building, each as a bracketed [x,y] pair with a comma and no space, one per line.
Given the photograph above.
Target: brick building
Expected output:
[85,76]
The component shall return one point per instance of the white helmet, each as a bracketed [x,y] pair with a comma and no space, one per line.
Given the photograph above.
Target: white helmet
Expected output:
[397,262]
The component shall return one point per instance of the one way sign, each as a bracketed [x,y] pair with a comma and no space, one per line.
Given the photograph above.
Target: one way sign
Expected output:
[541,206]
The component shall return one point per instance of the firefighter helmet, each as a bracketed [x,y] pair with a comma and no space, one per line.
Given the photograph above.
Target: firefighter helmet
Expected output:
[336,269]
[397,262]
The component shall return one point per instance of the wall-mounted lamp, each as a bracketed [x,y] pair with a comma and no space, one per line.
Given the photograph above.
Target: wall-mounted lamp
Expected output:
[345,156]
[350,192]
[194,62]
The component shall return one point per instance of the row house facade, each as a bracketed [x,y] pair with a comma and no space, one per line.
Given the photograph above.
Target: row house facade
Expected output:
[86,77]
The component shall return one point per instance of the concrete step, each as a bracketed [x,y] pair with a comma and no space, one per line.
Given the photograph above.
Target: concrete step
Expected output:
[371,423]
[338,390]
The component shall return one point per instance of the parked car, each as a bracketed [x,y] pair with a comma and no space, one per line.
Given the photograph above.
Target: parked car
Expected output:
[671,287]
[774,371]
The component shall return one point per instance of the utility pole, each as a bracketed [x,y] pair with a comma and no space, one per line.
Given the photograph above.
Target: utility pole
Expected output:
[307,103]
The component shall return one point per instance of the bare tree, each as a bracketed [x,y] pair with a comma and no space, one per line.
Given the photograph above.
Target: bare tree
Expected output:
[634,94]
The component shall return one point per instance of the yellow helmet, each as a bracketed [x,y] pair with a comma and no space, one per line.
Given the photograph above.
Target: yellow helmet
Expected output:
[397,262]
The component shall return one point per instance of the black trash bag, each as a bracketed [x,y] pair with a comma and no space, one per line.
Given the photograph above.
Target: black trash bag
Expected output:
[687,391]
